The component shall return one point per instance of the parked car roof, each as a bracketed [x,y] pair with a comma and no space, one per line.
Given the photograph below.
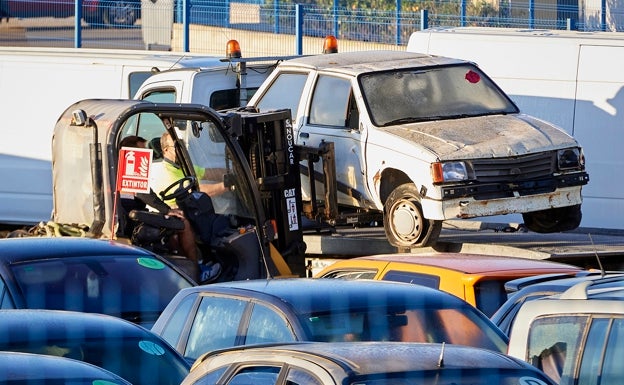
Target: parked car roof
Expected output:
[120,346]
[366,362]
[292,309]
[478,279]
[355,63]
[85,274]
[546,285]
[38,369]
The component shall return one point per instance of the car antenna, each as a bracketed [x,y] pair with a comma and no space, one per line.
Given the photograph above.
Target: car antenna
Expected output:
[602,271]
[441,359]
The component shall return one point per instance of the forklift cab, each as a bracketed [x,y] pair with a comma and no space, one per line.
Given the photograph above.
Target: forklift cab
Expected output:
[262,203]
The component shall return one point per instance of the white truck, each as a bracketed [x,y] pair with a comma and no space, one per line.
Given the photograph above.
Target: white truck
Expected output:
[571,78]
[420,139]
[38,83]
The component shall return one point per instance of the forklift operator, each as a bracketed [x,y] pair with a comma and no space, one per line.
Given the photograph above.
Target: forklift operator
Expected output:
[166,173]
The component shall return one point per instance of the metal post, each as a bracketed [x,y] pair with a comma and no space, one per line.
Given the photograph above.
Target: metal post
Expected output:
[186,19]
[603,15]
[531,14]
[276,28]
[462,13]
[335,11]
[397,39]
[424,19]
[299,29]
[570,24]
[78,24]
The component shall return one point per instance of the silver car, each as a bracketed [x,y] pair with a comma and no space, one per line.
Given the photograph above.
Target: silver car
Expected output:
[370,363]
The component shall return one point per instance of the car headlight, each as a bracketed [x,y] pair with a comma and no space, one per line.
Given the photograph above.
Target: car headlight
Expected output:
[449,172]
[570,158]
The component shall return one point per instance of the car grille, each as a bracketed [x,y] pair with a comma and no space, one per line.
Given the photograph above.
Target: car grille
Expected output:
[516,168]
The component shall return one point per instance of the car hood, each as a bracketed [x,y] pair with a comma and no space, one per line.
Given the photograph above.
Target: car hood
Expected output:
[485,136]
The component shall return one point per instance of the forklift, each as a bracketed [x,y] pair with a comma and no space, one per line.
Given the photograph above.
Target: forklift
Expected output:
[255,228]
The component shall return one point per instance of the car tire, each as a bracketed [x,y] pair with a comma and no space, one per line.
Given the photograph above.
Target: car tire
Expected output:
[553,220]
[404,222]
[120,13]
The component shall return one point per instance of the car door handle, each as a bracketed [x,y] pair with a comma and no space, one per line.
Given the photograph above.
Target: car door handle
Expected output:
[304,135]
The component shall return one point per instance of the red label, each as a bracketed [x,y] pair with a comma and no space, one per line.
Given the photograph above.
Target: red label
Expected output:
[133,170]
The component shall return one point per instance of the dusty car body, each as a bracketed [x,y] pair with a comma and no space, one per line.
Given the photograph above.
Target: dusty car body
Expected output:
[364,363]
[422,139]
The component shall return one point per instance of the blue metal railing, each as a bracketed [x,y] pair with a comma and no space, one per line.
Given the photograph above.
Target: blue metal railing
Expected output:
[280,17]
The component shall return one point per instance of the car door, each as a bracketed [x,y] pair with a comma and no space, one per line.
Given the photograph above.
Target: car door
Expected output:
[333,115]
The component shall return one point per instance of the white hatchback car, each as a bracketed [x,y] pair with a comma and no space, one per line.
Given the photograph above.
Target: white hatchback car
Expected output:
[575,337]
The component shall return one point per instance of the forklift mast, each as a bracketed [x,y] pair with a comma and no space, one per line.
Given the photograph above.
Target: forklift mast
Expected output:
[267,139]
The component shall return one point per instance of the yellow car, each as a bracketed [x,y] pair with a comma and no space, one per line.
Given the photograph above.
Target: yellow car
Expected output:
[477,279]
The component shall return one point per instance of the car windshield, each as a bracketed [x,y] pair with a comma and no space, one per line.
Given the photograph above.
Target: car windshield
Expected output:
[137,289]
[416,95]
[138,360]
[480,376]
[411,323]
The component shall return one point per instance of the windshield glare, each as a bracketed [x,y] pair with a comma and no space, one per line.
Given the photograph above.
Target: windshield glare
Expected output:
[407,324]
[413,95]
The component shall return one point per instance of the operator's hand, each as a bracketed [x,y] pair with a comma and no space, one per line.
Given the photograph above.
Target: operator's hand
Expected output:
[177,213]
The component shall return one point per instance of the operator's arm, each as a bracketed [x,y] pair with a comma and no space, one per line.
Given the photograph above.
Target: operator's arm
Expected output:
[213,189]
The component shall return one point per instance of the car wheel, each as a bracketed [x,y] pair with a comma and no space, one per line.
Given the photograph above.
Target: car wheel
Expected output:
[120,13]
[404,222]
[553,220]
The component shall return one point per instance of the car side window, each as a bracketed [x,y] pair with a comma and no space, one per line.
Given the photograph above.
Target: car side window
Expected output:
[592,353]
[256,375]
[351,274]
[298,376]
[612,368]
[5,298]
[285,92]
[212,377]
[330,102]
[215,325]
[554,344]
[415,278]
[266,325]
[173,329]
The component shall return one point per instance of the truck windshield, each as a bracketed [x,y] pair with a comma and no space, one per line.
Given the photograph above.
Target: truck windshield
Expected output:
[416,95]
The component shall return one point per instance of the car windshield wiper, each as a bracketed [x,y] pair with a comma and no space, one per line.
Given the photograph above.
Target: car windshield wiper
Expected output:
[404,120]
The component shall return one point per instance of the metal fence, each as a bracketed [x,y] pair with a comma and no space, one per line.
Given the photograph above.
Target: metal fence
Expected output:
[269,26]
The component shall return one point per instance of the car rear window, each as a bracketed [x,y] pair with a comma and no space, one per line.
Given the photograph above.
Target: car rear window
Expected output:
[462,326]
[126,286]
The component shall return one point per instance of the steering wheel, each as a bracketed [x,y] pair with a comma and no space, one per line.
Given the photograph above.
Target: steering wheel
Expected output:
[183,188]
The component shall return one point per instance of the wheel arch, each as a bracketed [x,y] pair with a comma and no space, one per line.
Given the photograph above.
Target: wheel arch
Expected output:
[390,179]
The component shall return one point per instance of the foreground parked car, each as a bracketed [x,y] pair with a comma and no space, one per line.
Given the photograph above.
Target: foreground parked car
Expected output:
[387,363]
[524,290]
[124,348]
[477,279]
[90,275]
[205,318]
[38,369]
[575,337]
